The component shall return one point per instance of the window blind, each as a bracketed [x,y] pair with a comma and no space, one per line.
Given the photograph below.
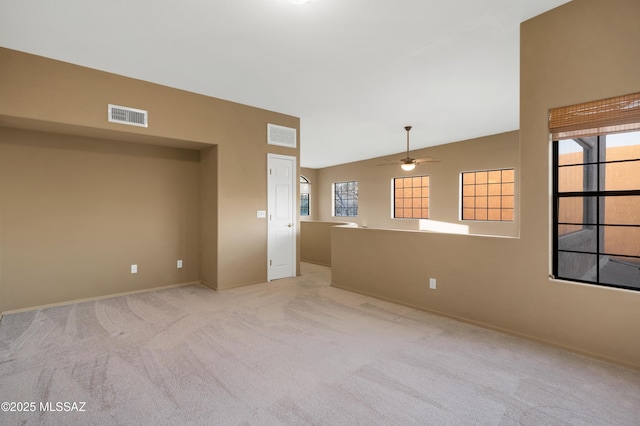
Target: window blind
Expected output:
[606,116]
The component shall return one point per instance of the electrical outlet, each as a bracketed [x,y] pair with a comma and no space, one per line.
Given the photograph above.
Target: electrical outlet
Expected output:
[179,263]
[134,269]
[432,283]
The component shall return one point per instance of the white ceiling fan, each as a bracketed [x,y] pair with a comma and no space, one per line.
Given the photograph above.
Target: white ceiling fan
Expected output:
[409,163]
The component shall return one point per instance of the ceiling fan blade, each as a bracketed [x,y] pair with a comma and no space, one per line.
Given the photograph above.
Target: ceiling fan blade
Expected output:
[390,162]
[408,163]
[426,160]
[416,162]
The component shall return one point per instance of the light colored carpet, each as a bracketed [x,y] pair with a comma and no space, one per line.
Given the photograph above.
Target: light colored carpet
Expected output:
[294,351]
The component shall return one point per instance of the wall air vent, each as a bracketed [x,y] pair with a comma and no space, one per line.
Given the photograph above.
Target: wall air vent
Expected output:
[130,116]
[280,135]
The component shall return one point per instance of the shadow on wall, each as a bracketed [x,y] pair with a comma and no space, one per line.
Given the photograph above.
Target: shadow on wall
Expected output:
[315,241]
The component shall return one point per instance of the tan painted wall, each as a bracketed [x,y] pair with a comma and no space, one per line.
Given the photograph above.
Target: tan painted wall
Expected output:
[315,241]
[584,50]
[51,96]
[209,211]
[77,212]
[581,51]
[374,184]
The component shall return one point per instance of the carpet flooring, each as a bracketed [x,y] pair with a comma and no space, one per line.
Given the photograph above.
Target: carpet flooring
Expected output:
[290,352]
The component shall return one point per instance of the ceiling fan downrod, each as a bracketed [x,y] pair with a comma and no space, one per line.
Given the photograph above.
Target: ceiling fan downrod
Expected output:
[407,128]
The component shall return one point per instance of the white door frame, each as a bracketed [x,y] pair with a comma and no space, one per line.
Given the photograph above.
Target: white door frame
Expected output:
[272,222]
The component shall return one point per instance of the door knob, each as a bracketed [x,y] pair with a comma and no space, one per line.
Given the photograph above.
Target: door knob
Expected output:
[290,225]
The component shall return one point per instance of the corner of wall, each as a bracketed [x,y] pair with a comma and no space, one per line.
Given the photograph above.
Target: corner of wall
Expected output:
[209,217]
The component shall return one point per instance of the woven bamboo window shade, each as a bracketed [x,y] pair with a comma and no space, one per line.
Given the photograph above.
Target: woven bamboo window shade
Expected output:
[613,115]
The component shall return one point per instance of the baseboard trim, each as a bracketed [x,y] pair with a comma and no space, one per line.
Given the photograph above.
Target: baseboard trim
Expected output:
[206,284]
[238,285]
[316,262]
[509,332]
[92,299]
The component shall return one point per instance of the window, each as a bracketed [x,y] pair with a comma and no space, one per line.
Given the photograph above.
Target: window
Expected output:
[304,196]
[345,198]
[596,192]
[411,197]
[488,195]
[597,209]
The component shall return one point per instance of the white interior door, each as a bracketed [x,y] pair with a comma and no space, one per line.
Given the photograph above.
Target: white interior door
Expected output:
[281,216]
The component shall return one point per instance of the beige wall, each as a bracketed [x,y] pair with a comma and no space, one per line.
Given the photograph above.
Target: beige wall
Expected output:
[315,241]
[209,211]
[60,98]
[374,185]
[584,50]
[77,212]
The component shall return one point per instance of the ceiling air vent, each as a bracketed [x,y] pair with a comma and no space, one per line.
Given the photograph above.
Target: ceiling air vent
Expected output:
[280,135]
[130,116]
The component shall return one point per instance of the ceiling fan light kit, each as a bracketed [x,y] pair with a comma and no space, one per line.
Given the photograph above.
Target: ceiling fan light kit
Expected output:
[407,167]
[408,163]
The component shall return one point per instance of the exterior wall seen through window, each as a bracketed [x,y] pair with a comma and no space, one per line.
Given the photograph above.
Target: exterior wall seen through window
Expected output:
[597,209]
[488,195]
[411,197]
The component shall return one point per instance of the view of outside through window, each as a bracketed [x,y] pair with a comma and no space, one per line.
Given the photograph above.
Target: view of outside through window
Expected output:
[411,197]
[597,209]
[346,198]
[304,196]
[488,195]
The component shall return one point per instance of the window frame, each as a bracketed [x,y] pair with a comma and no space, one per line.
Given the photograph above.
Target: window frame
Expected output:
[593,216]
[475,196]
[304,180]
[422,197]
[353,198]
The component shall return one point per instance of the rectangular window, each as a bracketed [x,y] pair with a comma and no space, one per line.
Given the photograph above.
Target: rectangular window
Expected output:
[488,195]
[596,209]
[345,198]
[596,191]
[411,197]
[304,204]
[304,196]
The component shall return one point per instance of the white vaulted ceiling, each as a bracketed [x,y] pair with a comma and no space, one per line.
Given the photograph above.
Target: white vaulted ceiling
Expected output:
[355,71]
